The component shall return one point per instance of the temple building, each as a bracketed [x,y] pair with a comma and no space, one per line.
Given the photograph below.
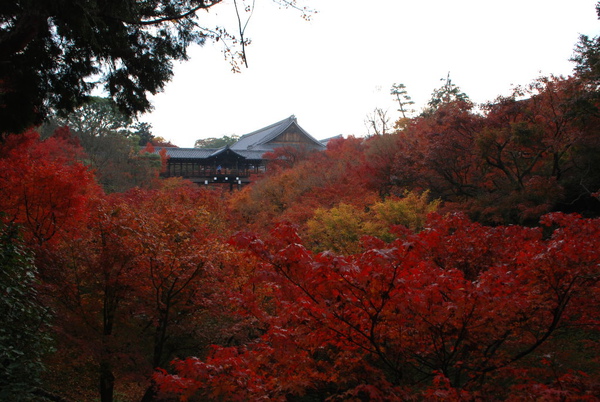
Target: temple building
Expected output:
[235,164]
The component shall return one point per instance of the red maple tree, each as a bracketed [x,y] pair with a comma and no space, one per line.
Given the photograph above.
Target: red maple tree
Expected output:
[44,186]
[458,310]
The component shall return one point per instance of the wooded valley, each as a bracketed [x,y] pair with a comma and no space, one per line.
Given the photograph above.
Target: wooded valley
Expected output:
[454,257]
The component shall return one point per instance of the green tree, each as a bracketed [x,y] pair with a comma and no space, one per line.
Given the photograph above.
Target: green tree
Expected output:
[587,55]
[111,143]
[213,142]
[22,340]
[49,50]
[448,92]
[404,100]
[54,53]
[144,132]
[97,118]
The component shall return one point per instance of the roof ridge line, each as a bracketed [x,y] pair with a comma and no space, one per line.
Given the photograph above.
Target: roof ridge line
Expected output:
[291,118]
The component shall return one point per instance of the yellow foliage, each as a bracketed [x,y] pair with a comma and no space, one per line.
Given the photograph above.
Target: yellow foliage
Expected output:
[340,228]
[410,211]
[337,229]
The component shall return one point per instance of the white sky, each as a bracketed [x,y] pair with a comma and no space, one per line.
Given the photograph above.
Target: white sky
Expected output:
[335,69]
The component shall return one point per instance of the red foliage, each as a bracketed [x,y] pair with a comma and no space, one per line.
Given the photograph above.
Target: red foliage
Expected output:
[437,152]
[285,158]
[43,185]
[380,160]
[149,148]
[451,312]
[164,158]
[141,271]
[528,154]
[322,180]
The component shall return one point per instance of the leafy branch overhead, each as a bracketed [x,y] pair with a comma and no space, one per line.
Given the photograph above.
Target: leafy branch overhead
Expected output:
[54,53]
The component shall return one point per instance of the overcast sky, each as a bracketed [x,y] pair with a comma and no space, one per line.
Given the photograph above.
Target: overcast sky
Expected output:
[334,70]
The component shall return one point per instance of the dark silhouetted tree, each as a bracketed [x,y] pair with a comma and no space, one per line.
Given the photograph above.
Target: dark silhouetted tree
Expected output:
[54,53]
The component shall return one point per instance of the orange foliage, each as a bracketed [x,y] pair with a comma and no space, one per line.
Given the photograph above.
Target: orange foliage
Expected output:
[322,180]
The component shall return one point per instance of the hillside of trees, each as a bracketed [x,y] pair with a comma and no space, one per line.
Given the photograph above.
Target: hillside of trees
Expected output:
[453,258]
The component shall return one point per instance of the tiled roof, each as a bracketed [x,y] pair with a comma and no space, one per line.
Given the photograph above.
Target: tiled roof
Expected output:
[187,153]
[251,146]
[335,137]
[258,139]
[250,154]
[204,153]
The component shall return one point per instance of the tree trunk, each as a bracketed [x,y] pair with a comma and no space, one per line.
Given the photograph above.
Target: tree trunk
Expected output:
[150,394]
[107,382]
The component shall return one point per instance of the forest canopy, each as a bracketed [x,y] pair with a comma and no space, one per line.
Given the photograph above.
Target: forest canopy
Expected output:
[454,257]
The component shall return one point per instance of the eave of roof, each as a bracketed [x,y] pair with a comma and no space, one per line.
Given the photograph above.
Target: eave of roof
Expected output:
[207,153]
[186,153]
[226,150]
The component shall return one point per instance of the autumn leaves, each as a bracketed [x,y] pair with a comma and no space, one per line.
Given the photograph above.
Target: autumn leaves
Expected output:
[358,272]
